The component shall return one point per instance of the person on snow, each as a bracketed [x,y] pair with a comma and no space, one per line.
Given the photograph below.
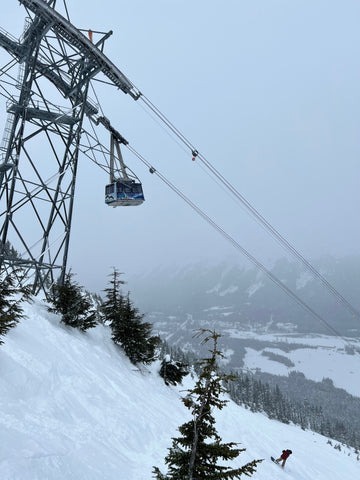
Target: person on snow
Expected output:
[284,456]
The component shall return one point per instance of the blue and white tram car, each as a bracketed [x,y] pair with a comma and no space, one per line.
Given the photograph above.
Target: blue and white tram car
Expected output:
[124,193]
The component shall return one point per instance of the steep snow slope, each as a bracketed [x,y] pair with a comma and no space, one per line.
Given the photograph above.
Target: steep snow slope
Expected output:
[73,407]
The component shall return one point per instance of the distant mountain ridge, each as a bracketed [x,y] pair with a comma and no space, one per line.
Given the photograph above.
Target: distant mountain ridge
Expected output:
[238,297]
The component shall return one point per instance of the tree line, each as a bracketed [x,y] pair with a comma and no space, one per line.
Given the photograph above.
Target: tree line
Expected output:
[77,309]
[258,396]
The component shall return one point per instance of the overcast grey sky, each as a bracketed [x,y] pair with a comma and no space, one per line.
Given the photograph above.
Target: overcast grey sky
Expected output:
[267,90]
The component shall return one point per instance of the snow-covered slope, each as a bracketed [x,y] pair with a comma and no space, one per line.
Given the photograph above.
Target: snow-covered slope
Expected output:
[73,407]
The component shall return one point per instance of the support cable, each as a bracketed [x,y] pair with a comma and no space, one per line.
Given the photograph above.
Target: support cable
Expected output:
[258,217]
[237,245]
[281,240]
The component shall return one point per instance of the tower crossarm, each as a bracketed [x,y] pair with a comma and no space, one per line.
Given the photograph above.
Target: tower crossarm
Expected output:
[11,44]
[91,52]
[17,50]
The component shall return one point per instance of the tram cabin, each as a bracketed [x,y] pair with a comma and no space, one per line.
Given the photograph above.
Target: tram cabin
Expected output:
[124,193]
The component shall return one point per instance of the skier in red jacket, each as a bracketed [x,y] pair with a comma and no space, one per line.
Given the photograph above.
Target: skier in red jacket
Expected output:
[284,456]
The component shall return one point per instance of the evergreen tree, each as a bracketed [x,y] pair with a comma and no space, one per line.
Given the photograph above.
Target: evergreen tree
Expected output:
[112,306]
[137,342]
[127,325]
[75,308]
[12,296]
[173,371]
[195,454]
[10,251]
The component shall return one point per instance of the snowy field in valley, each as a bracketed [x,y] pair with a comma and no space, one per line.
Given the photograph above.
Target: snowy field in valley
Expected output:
[73,407]
[316,356]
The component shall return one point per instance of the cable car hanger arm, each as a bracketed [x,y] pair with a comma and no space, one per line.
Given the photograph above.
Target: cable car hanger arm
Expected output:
[106,123]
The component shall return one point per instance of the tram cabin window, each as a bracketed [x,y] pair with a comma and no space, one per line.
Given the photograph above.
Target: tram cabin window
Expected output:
[109,189]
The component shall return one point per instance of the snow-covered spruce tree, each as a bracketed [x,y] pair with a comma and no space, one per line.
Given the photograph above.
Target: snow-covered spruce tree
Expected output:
[113,304]
[10,251]
[71,303]
[128,328]
[12,295]
[173,371]
[196,453]
[138,343]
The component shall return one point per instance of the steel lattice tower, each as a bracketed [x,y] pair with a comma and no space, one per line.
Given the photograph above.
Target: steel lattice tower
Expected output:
[40,148]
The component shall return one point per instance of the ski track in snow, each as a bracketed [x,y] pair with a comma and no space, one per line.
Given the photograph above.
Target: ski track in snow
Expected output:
[73,407]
